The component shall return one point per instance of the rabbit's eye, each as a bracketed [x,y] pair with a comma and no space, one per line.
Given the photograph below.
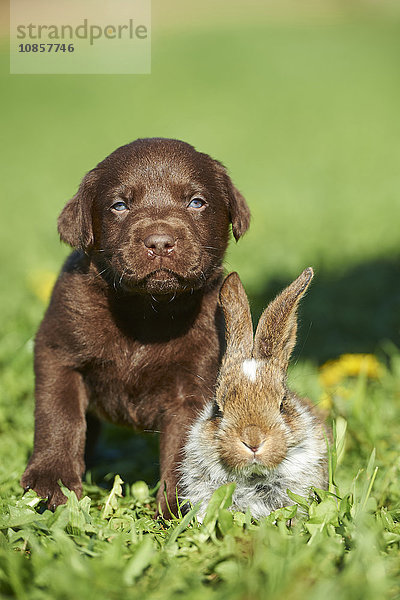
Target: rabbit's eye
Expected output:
[217,413]
[282,405]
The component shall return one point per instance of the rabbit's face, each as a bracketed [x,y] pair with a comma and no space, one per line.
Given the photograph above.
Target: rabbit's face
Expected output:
[252,420]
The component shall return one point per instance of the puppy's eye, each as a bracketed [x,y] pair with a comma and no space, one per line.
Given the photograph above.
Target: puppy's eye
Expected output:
[119,206]
[197,202]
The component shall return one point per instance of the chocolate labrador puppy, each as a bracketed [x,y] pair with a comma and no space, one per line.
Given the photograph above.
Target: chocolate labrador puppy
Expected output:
[133,330]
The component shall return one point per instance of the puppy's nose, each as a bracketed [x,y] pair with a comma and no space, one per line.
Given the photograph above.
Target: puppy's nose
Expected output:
[161,244]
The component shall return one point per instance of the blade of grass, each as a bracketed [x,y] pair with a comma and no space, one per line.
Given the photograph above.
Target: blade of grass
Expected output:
[183,524]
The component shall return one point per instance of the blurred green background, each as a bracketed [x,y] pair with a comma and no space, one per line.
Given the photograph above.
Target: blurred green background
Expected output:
[299,100]
[300,103]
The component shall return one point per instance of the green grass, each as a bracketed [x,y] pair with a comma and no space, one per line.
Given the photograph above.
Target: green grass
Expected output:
[344,544]
[305,116]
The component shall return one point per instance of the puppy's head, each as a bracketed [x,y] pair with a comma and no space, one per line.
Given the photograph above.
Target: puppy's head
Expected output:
[155,215]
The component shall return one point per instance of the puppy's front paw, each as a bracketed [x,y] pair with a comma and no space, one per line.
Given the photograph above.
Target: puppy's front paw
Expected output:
[45,483]
[167,507]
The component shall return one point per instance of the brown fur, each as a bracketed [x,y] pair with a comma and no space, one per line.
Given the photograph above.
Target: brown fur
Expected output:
[132,332]
[276,331]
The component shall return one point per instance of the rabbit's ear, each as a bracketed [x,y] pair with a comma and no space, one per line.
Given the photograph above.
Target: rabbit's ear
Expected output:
[239,328]
[276,331]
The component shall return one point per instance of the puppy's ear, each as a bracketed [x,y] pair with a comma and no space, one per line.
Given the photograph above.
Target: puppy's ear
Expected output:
[239,212]
[75,224]
[276,330]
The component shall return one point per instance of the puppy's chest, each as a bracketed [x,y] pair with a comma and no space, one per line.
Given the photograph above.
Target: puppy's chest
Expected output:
[130,383]
[119,366]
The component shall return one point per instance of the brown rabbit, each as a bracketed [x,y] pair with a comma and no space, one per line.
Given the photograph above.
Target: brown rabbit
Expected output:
[256,432]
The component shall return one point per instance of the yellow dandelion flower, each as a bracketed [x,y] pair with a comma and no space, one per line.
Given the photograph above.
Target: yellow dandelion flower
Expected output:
[41,282]
[349,365]
[354,364]
[330,374]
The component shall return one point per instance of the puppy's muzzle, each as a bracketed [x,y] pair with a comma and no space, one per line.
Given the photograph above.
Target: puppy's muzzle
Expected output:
[159,244]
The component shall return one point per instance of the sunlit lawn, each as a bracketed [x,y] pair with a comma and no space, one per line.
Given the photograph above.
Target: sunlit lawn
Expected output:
[306,119]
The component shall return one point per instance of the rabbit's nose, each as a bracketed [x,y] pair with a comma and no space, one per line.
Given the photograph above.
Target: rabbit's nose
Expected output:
[254,448]
[253,437]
